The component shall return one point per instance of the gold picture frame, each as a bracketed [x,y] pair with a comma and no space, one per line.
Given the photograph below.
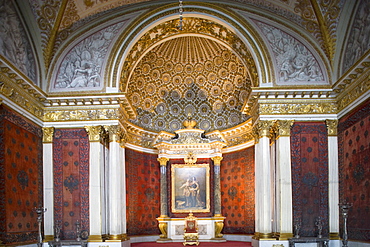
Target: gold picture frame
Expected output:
[190,190]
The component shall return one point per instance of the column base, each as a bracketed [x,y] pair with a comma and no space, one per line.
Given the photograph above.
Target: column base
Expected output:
[283,236]
[264,236]
[334,236]
[95,238]
[117,238]
[48,238]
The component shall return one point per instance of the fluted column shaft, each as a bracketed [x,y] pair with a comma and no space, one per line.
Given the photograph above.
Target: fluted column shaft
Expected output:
[96,182]
[263,181]
[48,182]
[115,183]
[333,178]
[284,180]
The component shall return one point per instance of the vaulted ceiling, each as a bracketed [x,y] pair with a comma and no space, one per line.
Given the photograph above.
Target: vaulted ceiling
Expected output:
[164,61]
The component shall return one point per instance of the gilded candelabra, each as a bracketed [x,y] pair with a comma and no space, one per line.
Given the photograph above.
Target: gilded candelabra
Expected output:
[345,208]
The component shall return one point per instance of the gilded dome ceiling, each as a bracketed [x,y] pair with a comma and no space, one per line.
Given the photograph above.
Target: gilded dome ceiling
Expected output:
[189,76]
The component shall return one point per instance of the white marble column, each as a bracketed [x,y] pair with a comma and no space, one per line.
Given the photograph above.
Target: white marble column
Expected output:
[115,182]
[284,180]
[263,182]
[333,179]
[123,191]
[48,181]
[96,179]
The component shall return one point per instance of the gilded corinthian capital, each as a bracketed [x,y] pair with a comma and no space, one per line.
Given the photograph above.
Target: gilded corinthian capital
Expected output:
[283,127]
[217,160]
[47,134]
[332,127]
[114,132]
[263,128]
[163,161]
[94,133]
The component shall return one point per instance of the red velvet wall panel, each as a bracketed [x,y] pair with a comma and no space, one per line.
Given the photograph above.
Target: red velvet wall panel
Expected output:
[238,191]
[354,169]
[71,180]
[20,177]
[309,152]
[143,193]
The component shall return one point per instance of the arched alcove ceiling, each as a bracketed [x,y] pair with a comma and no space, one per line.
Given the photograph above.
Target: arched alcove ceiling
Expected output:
[205,73]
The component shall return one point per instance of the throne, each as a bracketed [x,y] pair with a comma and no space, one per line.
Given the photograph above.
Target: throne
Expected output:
[191,230]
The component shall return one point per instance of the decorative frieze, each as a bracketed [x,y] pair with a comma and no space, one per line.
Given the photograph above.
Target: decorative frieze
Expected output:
[269,108]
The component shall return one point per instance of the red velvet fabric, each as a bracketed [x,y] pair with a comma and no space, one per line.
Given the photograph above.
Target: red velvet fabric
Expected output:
[20,177]
[309,152]
[71,180]
[354,167]
[238,191]
[143,193]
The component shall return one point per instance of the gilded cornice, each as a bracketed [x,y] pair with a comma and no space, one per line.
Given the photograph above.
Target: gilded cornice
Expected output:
[21,93]
[48,133]
[332,126]
[318,107]
[288,95]
[79,114]
[354,85]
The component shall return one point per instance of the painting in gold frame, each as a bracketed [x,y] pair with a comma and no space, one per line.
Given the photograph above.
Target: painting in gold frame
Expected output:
[190,188]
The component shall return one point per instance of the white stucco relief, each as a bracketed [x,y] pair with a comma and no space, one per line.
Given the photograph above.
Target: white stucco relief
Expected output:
[81,68]
[14,44]
[359,37]
[294,61]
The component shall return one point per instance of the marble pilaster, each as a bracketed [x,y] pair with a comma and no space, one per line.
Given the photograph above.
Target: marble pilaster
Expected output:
[114,184]
[96,178]
[263,182]
[333,179]
[48,182]
[284,180]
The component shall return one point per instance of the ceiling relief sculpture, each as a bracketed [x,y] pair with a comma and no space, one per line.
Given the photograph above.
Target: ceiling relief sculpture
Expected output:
[81,68]
[295,63]
[14,44]
[359,39]
[189,76]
